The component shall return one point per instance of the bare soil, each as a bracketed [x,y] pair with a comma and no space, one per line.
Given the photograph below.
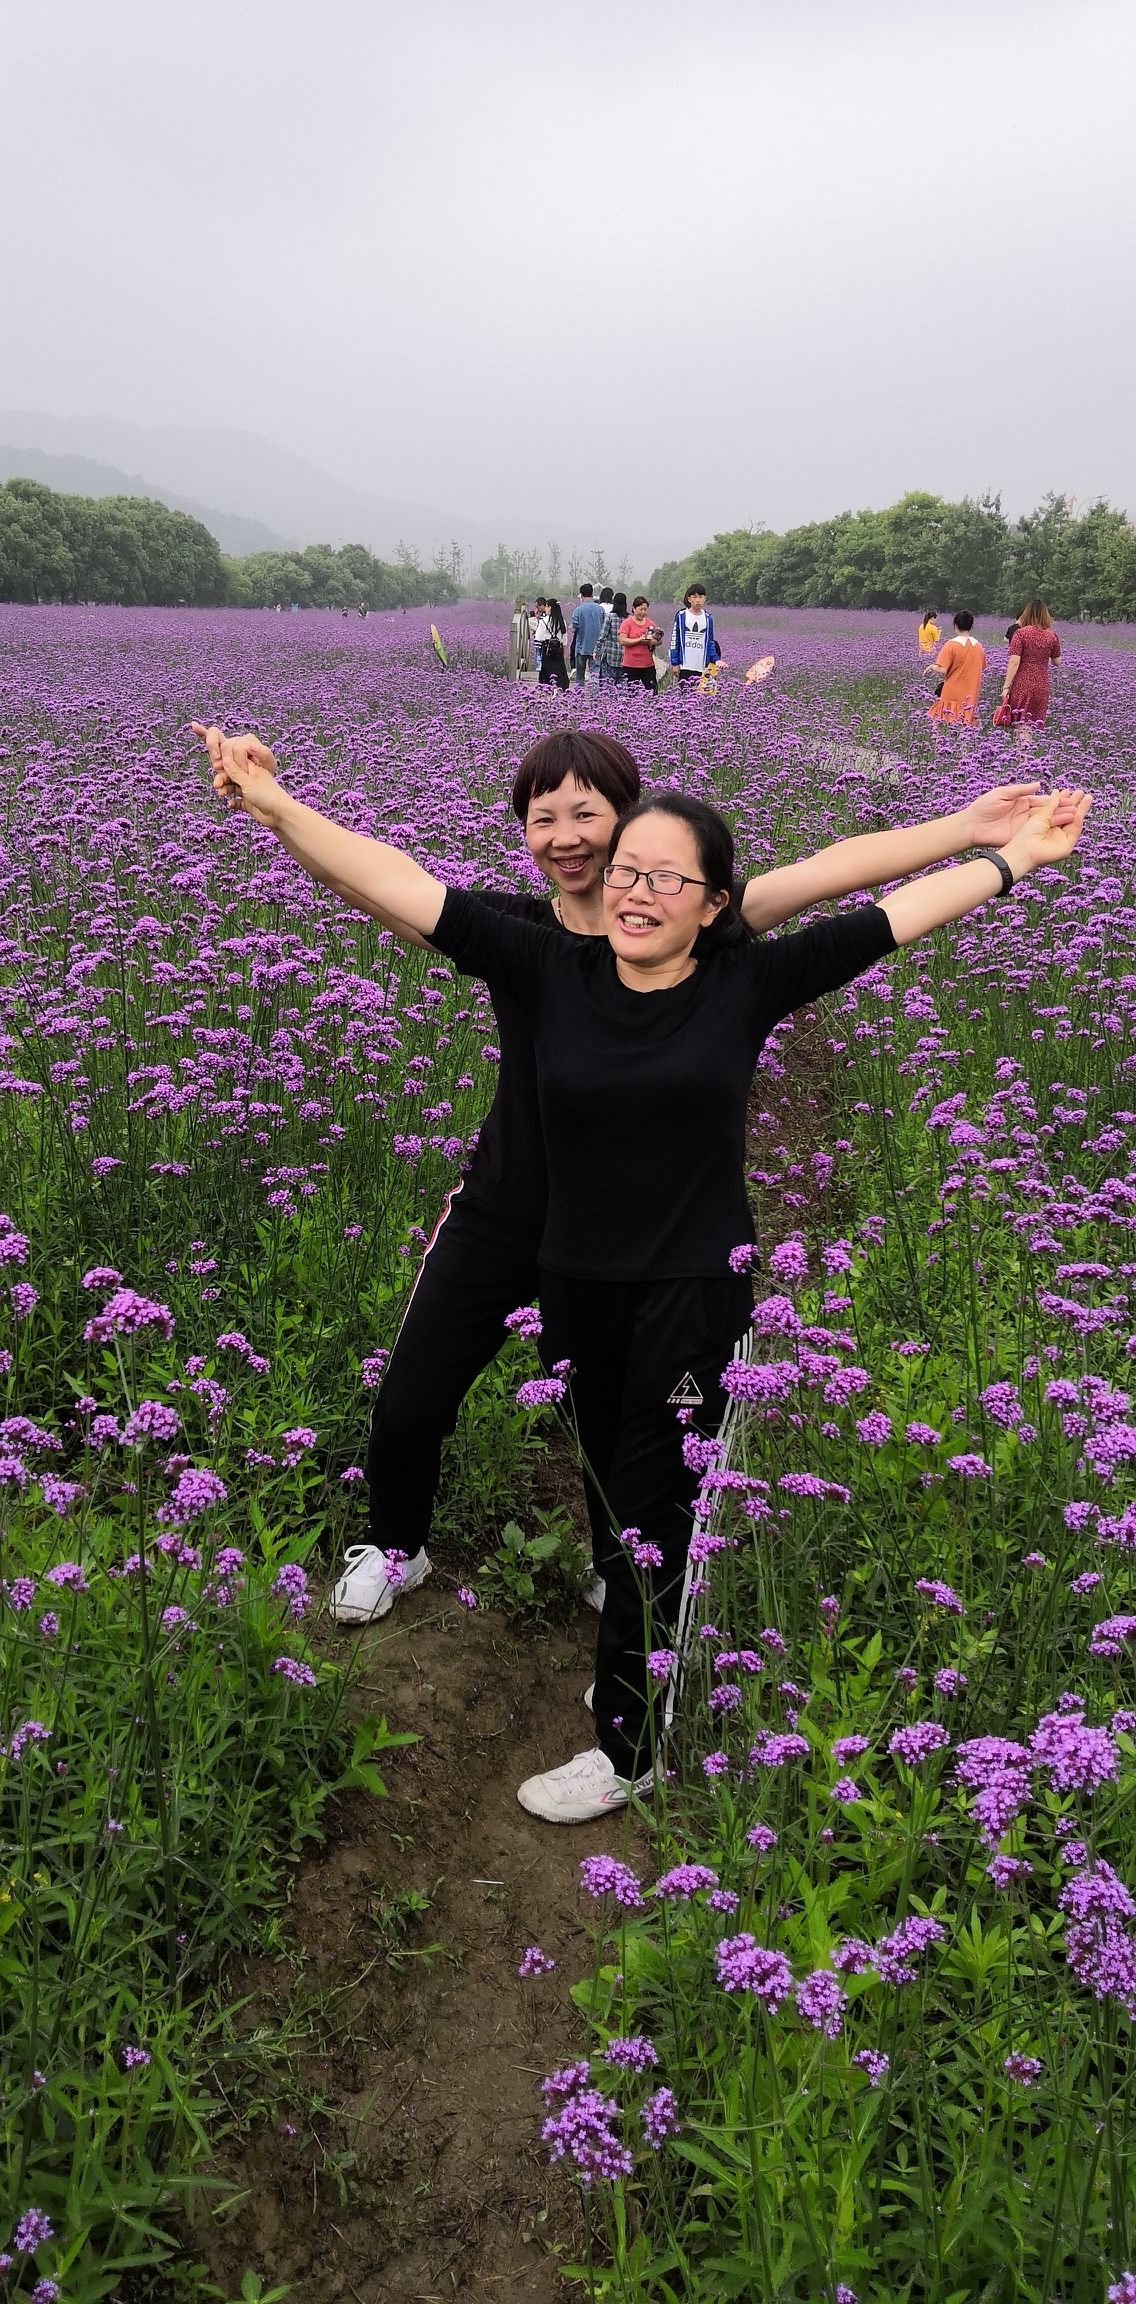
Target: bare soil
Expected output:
[425,2177]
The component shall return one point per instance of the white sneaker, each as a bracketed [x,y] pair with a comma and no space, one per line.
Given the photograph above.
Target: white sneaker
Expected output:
[588,1694]
[594,1593]
[580,1792]
[368,1589]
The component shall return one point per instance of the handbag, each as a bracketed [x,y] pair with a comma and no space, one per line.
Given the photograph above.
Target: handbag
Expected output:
[938,683]
[1003,715]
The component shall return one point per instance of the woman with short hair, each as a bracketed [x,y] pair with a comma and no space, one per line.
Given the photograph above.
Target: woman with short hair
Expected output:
[962,661]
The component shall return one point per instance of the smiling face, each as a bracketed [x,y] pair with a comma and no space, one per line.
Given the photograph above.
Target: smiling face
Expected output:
[643,927]
[567,833]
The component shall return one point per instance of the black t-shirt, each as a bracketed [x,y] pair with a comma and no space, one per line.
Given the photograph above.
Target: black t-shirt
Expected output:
[508,1174]
[643,1094]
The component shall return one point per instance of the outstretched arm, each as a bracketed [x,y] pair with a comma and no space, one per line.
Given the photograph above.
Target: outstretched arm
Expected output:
[1051,833]
[874,857]
[366,873]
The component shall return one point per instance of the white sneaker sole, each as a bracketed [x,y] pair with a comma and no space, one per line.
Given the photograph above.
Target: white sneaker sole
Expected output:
[584,1812]
[594,1594]
[344,1613]
[581,1811]
[587,1696]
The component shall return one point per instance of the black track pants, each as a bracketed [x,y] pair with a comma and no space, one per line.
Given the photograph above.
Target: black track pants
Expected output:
[473,1273]
[637,1348]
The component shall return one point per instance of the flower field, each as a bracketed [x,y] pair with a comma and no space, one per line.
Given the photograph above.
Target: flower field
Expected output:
[862,2025]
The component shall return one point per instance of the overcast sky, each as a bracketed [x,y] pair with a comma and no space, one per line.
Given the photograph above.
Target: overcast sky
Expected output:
[658,269]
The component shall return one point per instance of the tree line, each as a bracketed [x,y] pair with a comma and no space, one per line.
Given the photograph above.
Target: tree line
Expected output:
[134,552]
[926,552]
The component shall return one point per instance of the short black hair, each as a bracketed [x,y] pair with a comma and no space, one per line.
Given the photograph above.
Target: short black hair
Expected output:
[690,591]
[963,619]
[600,763]
[585,591]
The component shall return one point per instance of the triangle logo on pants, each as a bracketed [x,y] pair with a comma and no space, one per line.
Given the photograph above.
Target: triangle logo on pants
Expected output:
[686,1393]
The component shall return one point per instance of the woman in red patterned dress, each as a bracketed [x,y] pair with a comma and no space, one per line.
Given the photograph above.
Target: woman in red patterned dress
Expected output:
[1033,648]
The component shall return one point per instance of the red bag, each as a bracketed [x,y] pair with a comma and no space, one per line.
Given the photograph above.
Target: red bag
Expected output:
[1003,717]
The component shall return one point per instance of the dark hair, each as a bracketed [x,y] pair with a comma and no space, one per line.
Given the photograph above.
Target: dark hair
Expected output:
[585,591]
[1012,631]
[606,595]
[556,618]
[928,616]
[541,602]
[963,620]
[598,762]
[714,842]
[640,601]
[1036,612]
[619,603]
[690,591]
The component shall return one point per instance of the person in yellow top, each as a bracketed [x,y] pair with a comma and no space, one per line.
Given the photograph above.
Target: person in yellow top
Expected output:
[963,660]
[928,632]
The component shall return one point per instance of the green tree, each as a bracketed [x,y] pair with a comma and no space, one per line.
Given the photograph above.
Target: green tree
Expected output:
[36,557]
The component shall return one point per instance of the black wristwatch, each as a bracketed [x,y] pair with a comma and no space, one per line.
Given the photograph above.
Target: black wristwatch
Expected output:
[995,856]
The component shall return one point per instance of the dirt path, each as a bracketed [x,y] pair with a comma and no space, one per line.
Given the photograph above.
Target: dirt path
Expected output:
[429,2069]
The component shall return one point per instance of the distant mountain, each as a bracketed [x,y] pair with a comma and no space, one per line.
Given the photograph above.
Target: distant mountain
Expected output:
[267,489]
[248,476]
[80,476]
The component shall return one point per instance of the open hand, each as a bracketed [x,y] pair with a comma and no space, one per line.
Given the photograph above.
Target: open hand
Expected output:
[995,816]
[244,772]
[1050,832]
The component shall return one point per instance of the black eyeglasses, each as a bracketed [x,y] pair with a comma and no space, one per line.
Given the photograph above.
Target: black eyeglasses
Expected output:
[660,883]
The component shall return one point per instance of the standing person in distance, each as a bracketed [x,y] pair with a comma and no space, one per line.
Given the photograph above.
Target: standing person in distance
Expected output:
[540,610]
[963,662]
[693,646]
[928,634]
[1034,646]
[587,624]
[550,633]
[609,647]
[637,636]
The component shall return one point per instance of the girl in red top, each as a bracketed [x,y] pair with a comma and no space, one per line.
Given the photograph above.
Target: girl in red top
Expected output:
[637,634]
[1033,648]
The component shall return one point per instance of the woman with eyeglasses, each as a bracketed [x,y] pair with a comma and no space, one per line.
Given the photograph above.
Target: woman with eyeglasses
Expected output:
[645,1043]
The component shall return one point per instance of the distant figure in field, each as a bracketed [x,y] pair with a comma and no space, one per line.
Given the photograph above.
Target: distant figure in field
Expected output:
[550,638]
[637,634]
[928,633]
[963,660]
[517,661]
[587,624]
[1011,633]
[1034,646]
[609,647]
[693,646]
[363,608]
[540,610]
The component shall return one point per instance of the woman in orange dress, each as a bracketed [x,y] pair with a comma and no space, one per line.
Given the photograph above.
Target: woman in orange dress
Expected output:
[963,660]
